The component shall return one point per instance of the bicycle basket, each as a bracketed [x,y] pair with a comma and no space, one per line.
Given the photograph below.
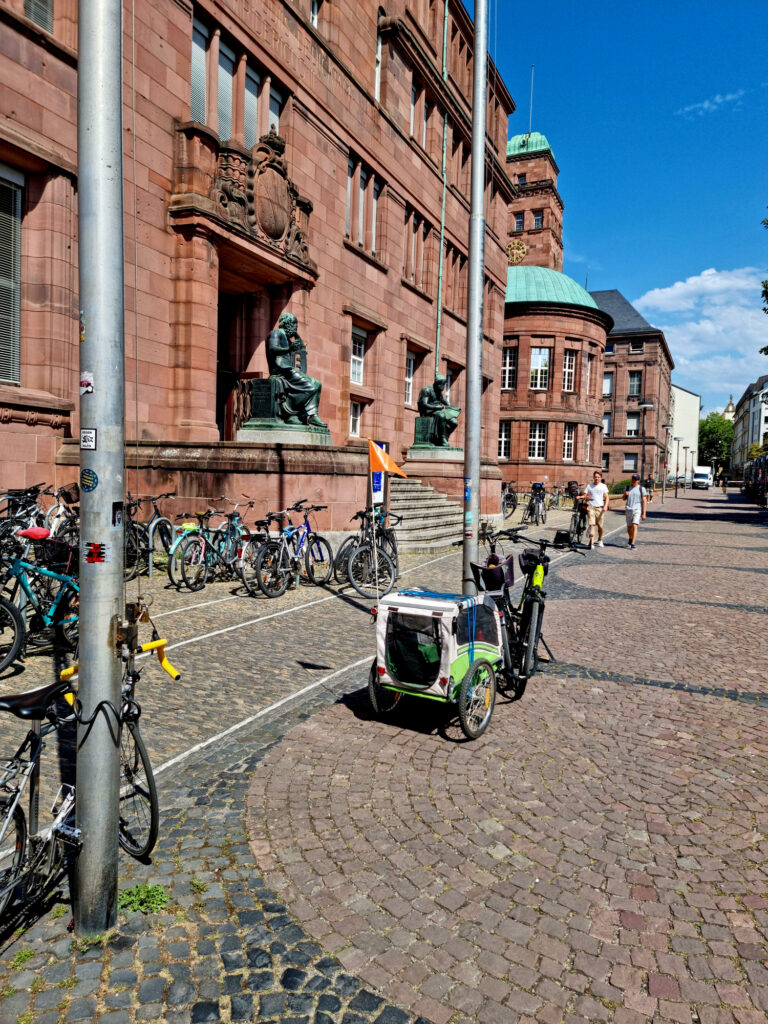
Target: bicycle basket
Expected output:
[537,488]
[529,558]
[58,556]
[71,493]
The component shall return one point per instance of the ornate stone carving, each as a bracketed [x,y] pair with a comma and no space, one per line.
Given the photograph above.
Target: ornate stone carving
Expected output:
[230,184]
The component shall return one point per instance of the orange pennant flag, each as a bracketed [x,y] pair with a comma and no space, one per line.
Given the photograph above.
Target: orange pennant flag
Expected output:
[379,461]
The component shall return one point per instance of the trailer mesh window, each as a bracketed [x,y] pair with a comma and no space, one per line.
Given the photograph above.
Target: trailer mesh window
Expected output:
[413,648]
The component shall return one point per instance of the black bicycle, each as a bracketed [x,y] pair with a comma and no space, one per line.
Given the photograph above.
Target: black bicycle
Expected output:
[577,529]
[508,499]
[536,510]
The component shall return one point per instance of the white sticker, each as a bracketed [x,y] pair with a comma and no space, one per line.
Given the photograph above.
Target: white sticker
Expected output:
[88,438]
[86,382]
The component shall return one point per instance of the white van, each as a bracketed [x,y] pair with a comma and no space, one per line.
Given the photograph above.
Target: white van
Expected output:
[702,477]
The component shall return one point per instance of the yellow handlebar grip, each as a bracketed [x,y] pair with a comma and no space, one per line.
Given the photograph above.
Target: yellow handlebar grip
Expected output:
[67,673]
[159,646]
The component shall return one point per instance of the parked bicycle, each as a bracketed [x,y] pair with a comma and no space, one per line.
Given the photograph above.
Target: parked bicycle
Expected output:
[203,550]
[369,560]
[579,525]
[508,499]
[139,536]
[30,859]
[280,561]
[536,510]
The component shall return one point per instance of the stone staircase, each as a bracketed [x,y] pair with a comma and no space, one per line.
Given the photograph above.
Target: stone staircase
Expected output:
[431,522]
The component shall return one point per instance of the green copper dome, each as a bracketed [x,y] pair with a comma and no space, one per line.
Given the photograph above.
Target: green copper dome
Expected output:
[540,284]
[531,142]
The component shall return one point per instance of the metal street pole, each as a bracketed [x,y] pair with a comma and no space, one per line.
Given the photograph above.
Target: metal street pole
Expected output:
[677,461]
[473,434]
[665,427]
[102,371]
[685,467]
[644,406]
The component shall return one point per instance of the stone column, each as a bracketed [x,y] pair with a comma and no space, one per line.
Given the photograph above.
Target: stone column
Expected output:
[195,331]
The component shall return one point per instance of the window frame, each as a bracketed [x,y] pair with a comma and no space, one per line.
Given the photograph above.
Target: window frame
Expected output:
[357,348]
[537,438]
[607,431]
[608,379]
[569,369]
[505,437]
[519,222]
[355,417]
[10,373]
[636,379]
[630,462]
[539,371]
[633,431]
[569,441]
[509,358]
[538,220]
[410,365]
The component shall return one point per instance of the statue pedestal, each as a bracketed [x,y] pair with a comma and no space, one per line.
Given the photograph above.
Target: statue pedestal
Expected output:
[435,453]
[269,431]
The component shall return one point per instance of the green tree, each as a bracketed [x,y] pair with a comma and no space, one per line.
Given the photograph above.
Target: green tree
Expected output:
[715,437]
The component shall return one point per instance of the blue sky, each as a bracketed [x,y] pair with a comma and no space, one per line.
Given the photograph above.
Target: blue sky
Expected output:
[657,113]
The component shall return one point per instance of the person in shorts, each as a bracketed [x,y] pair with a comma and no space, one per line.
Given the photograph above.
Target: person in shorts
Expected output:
[636,501]
[596,494]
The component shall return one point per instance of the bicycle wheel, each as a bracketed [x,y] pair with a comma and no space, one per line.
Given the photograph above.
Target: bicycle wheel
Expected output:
[508,503]
[273,569]
[383,701]
[531,641]
[67,628]
[573,527]
[581,529]
[542,513]
[526,518]
[318,559]
[174,561]
[11,633]
[387,541]
[194,564]
[477,698]
[341,562]
[164,531]
[371,576]
[139,813]
[247,564]
[13,846]
[135,547]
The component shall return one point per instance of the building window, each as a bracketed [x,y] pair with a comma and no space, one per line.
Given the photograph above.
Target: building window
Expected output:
[606,462]
[377,79]
[539,369]
[359,339]
[10,274]
[414,98]
[635,345]
[538,219]
[518,222]
[630,461]
[314,12]
[276,103]
[505,429]
[537,440]
[198,72]
[635,383]
[410,370]
[355,415]
[41,12]
[521,178]
[569,433]
[569,369]
[588,375]
[607,425]
[609,347]
[363,194]
[415,248]
[607,384]
[508,369]
[633,424]
[588,445]
[252,89]
[448,382]
[225,91]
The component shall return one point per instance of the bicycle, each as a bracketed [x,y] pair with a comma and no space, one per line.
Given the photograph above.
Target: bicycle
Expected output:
[279,561]
[204,549]
[29,859]
[536,509]
[372,562]
[508,499]
[577,529]
[555,500]
[137,535]
[49,599]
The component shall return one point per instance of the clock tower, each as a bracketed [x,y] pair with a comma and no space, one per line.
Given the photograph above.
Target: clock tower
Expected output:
[535,228]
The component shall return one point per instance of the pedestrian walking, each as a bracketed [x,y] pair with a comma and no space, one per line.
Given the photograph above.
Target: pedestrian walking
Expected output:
[636,501]
[596,495]
[650,483]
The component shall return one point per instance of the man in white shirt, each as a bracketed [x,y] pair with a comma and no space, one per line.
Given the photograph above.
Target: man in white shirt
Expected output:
[596,494]
[637,500]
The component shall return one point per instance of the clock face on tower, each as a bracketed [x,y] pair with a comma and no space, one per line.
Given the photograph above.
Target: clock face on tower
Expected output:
[516,251]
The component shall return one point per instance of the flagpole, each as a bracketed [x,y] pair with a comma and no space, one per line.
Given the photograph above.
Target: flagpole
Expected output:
[373,525]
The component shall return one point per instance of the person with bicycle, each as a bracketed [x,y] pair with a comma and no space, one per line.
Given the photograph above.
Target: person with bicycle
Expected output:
[636,500]
[596,496]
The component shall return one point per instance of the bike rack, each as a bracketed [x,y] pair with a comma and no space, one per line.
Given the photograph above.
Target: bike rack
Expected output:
[151,539]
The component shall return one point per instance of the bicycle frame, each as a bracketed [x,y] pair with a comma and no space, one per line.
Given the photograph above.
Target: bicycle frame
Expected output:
[18,569]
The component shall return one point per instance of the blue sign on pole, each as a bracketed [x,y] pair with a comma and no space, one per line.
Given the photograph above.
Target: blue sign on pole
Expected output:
[377,487]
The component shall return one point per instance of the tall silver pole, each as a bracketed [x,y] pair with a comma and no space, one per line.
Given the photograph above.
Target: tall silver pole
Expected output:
[473,433]
[102,367]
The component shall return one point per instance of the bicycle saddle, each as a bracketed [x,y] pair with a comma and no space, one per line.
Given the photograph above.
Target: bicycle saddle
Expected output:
[34,533]
[33,704]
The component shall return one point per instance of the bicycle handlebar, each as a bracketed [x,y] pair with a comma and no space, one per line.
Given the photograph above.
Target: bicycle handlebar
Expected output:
[67,674]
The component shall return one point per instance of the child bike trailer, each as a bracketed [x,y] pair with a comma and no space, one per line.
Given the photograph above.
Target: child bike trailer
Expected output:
[443,647]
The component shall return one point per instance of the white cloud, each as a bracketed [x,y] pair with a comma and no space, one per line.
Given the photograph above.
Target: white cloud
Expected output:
[714,326]
[710,105]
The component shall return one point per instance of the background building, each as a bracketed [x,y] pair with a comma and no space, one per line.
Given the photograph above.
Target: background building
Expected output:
[750,424]
[635,391]
[685,419]
[554,337]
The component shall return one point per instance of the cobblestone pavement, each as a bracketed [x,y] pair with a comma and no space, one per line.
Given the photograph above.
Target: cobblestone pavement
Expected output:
[600,854]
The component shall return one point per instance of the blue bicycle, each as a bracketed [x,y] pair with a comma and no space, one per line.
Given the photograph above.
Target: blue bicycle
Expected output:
[280,561]
[45,592]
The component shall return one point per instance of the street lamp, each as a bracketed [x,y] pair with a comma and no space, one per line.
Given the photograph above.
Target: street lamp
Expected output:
[677,461]
[665,427]
[644,406]
[693,463]
[685,465]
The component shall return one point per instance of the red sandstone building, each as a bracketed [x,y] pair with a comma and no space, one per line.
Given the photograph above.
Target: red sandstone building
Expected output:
[554,338]
[636,389]
[288,157]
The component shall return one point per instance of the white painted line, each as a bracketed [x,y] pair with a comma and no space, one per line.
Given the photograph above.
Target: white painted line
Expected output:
[191,607]
[259,714]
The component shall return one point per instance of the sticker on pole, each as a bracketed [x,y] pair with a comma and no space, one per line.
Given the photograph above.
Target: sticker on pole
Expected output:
[98,552]
[467,488]
[86,382]
[88,439]
[89,481]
